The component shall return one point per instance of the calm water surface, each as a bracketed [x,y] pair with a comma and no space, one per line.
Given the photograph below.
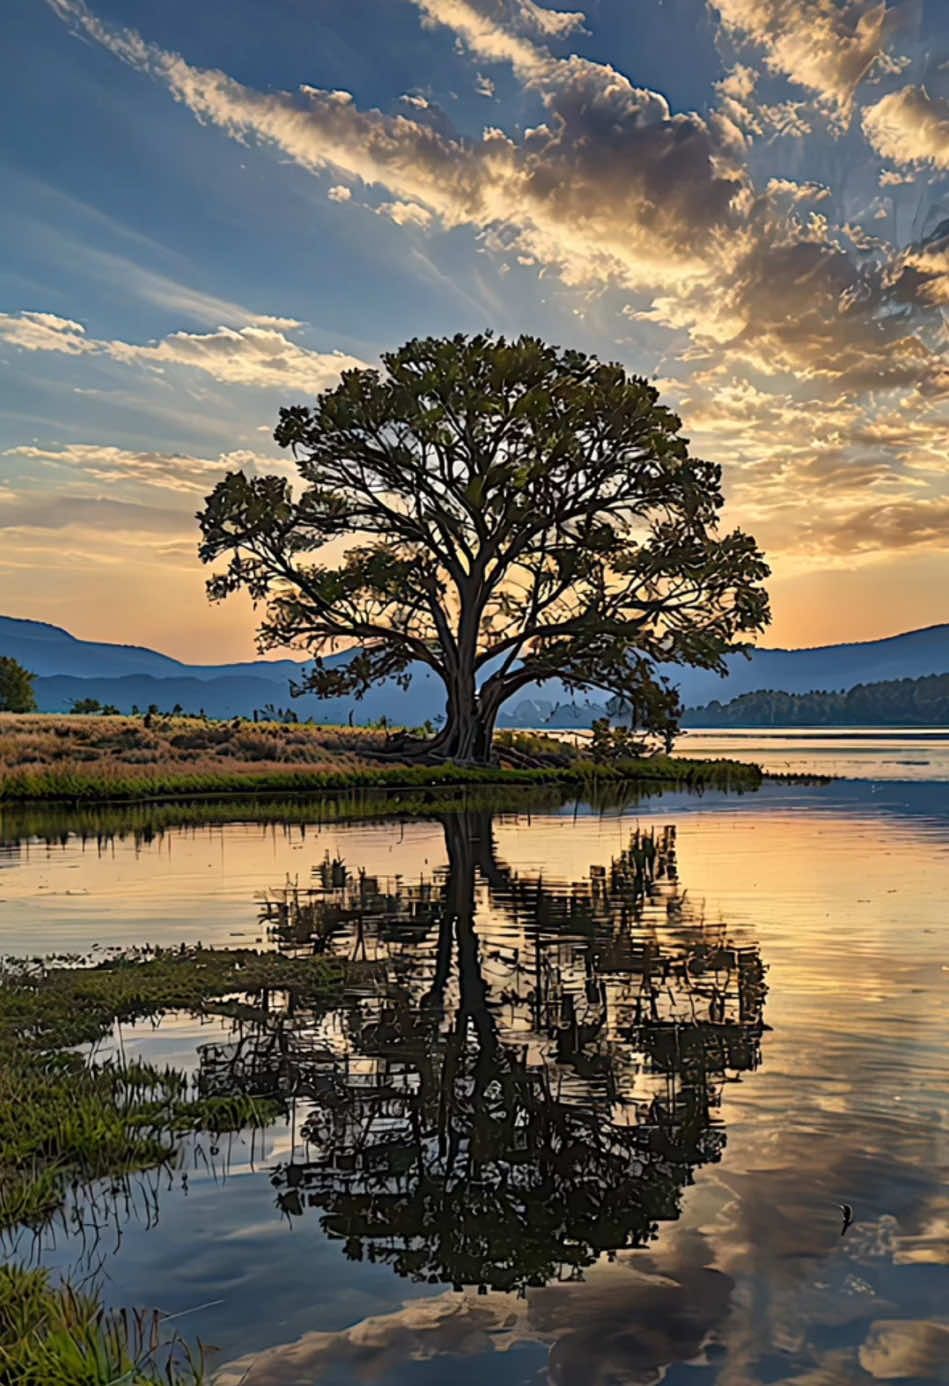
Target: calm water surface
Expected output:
[862,753]
[590,1118]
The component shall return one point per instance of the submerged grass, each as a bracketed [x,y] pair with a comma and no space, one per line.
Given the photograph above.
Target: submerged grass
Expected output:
[67,1119]
[54,1335]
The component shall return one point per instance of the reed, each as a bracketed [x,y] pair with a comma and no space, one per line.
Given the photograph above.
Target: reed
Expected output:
[55,1335]
[67,1119]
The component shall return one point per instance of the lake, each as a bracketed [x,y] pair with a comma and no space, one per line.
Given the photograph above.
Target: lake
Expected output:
[588,1117]
[862,753]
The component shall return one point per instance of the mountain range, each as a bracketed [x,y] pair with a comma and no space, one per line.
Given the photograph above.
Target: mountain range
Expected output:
[67,669]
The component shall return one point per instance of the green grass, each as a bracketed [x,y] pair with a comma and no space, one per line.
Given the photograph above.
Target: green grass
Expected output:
[54,1335]
[66,1119]
[80,760]
[72,783]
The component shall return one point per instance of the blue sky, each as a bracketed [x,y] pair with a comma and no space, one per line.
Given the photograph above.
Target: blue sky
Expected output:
[210,209]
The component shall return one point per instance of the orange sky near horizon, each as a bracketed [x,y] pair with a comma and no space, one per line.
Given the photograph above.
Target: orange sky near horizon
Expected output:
[167,610]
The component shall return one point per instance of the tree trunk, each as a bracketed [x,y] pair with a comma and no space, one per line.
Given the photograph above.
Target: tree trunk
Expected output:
[468,736]
[468,732]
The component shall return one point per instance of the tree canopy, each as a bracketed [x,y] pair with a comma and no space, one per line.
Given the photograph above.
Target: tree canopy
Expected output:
[503,512]
[16,687]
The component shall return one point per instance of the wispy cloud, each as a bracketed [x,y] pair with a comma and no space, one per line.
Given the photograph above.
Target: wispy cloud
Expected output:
[257,355]
[828,48]
[166,470]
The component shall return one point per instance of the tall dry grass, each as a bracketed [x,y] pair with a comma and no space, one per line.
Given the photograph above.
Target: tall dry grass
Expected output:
[44,755]
[113,745]
[113,759]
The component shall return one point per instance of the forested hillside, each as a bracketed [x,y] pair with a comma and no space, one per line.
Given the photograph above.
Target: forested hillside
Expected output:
[922,702]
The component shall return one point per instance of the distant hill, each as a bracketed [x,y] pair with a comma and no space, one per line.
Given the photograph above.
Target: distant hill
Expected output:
[824,668]
[920,702]
[127,675]
[47,650]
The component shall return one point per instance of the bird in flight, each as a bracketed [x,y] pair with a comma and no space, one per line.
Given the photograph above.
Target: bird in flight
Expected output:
[847,1213]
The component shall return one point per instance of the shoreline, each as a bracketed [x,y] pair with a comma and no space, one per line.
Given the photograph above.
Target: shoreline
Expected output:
[71,786]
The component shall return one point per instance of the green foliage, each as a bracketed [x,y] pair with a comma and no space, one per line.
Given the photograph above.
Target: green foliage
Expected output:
[16,687]
[610,745]
[92,707]
[526,513]
[922,702]
[85,706]
[653,709]
[534,743]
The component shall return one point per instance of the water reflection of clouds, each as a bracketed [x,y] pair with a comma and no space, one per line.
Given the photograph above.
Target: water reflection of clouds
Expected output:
[632,1320]
[899,1348]
[846,1107]
[627,1322]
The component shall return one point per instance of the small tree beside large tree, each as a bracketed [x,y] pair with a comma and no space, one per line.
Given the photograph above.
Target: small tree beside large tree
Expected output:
[503,513]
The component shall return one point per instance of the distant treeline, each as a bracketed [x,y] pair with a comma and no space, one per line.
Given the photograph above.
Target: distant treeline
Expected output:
[920,702]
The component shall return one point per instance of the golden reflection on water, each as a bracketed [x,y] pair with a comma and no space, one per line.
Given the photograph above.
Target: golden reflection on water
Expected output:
[754,1281]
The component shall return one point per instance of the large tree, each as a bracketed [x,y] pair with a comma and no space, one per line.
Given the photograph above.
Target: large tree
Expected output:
[503,512]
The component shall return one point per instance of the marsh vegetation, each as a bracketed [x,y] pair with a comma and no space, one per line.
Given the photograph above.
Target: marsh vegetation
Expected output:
[86,759]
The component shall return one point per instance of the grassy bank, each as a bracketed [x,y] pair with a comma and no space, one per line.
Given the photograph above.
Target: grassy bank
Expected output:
[80,760]
[54,1335]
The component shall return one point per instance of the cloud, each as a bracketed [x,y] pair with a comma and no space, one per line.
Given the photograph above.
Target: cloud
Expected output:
[822,45]
[339,193]
[614,187]
[257,355]
[119,271]
[87,512]
[502,30]
[613,190]
[167,471]
[904,1348]
[632,1319]
[405,213]
[879,528]
[797,192]
[260,356]
[31,331]
[910,127]
[741,114]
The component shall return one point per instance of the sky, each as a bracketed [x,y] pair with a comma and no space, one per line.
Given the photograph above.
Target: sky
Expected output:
[212,209]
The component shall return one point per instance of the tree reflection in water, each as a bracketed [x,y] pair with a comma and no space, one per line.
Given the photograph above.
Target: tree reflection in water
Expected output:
[507,1102]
